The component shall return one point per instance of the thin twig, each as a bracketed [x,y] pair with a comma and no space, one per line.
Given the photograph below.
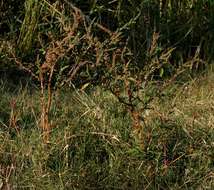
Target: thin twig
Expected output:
[20,64]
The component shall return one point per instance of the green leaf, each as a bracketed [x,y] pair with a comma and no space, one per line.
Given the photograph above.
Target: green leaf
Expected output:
[161,72]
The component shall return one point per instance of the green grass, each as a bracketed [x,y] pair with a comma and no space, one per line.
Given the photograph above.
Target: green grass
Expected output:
[92,144]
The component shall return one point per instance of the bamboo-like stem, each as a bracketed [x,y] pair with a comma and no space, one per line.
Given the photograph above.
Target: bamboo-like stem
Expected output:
[29,25]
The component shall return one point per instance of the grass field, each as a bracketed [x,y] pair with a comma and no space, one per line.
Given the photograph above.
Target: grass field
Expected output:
[93,146]
[141,114]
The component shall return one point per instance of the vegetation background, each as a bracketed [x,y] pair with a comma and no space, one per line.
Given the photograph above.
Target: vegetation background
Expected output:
[106,94]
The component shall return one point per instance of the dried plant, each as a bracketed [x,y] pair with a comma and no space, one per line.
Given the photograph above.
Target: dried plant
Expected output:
[136,89]
[78,50]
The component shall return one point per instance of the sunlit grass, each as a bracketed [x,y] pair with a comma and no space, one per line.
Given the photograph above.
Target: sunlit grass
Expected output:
[92,144]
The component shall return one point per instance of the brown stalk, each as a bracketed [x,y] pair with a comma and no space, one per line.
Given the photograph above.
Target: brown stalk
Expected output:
[47,68]
[44,123]
[46,105]
[13,117]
